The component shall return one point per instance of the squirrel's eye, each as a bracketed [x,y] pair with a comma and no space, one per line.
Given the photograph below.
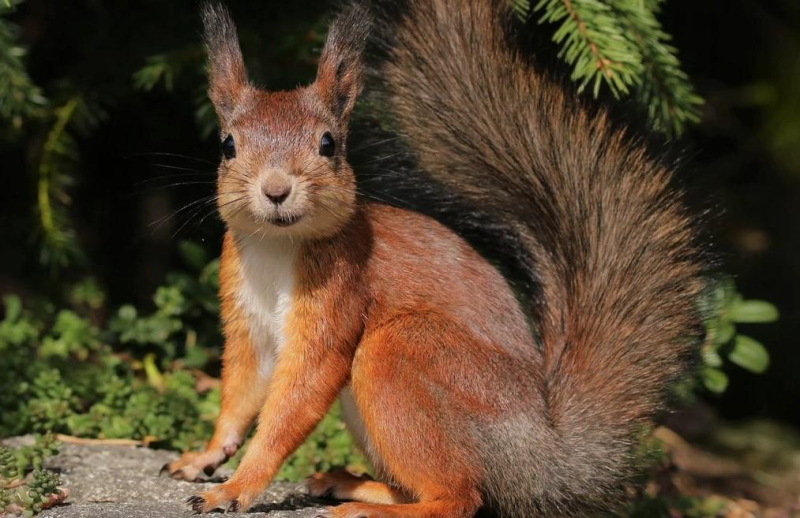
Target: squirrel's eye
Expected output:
[327,146]
[229,147]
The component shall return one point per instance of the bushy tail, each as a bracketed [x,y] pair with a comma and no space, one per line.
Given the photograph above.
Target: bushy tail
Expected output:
[611,242]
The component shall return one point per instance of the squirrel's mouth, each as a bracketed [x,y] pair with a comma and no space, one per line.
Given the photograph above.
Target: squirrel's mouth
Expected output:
[284,221]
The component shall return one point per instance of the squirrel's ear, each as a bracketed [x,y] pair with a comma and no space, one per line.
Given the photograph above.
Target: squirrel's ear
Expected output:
[339,75]
[227,79]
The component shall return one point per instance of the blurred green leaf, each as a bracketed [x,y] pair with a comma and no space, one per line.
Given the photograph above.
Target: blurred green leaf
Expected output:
[13,307]
[749,354]
[169,300]
[725,306]
[712,358]
[725,332]
[714,380]
[753,311]
[154,376]
[522,8]
[193,254]
[88,292]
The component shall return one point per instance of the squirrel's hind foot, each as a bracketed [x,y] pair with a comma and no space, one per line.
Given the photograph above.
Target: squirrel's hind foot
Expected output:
[343,485]
[429,509]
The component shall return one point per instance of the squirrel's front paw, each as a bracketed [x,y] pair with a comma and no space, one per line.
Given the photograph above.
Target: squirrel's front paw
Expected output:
[191,464]
[231,496]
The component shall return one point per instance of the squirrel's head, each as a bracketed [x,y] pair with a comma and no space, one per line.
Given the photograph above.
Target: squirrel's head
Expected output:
[283,169]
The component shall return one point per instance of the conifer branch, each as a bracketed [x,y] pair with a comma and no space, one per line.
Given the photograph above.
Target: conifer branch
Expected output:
[167,67]
[55,172]
[20,99]
[621,44]
[58,246]
[593,42]
[665,89]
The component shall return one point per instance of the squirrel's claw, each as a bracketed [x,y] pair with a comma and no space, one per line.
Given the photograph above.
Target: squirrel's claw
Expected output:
[234,507]
[197,504]
[230,497]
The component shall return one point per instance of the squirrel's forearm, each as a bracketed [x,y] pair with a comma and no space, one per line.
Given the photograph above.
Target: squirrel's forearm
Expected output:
[306,381]
[244,389]
[244,384]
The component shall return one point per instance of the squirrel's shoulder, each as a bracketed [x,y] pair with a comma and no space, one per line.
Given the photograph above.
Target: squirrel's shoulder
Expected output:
[393,223]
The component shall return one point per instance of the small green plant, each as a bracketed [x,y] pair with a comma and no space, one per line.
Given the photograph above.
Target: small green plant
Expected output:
[129,378]
[25,486]
[723,341]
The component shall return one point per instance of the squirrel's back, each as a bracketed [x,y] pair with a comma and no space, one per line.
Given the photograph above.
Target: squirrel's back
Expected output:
[612,249]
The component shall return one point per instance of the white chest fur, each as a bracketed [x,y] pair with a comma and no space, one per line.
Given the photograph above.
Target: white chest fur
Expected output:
[265,296]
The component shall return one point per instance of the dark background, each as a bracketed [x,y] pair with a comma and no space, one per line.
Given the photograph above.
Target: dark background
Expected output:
[743,158]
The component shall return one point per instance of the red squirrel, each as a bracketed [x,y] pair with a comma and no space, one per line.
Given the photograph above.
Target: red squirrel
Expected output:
[465,395]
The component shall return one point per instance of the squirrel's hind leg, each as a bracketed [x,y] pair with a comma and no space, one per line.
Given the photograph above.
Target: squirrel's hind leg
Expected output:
[411,383]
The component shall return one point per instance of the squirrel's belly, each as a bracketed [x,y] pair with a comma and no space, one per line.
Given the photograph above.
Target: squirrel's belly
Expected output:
[265,295]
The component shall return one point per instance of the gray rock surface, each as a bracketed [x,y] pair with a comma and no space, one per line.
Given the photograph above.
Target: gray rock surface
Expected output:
[123,482]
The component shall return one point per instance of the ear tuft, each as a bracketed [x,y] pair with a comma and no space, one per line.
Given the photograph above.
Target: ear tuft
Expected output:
[341,64]
[227,76]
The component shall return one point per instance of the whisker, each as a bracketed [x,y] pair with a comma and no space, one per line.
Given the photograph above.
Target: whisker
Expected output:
[197,176]
[199,209]
[373,144]
[361,192]
[204,199]
[381,159]
[174,155]
[183,168]
[191,216]
[211,212]
[177,184]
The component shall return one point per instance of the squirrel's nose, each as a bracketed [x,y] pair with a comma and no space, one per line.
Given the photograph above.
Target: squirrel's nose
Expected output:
[277,194]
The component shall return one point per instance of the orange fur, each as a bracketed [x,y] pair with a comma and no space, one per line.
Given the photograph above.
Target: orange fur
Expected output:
[369,292]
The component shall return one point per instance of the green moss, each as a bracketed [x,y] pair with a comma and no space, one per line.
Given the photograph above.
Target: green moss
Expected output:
[25,487]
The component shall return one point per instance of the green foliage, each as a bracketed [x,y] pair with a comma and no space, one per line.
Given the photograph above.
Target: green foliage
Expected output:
[165,68]
[727,309]
[25,486]
[620,44]
[27,112]
[129,379]
[19,97]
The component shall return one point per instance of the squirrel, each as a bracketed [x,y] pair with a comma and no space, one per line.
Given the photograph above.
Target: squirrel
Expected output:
[466,395]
